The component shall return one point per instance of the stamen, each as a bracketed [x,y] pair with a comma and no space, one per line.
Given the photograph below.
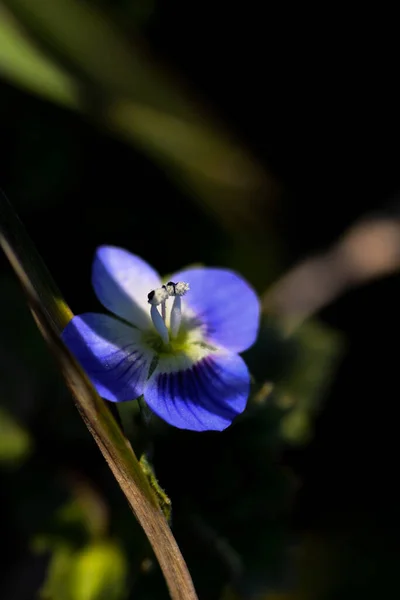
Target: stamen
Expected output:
[176,316]
[163,310]
[178,290]
[159,324]
[156,297]
[164,307]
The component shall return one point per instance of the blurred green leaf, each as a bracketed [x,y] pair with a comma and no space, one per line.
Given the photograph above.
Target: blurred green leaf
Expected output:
[100,573]
[57,584]
[140,102]
[139,12]
[96,572]
[30,68]
[318,349]
[15,441]
[83,518]
[292,372]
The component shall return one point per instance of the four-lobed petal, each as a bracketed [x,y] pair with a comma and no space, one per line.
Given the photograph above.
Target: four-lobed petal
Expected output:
[225,304]
[122,281]
[201,388]
[207,395]
[111,353]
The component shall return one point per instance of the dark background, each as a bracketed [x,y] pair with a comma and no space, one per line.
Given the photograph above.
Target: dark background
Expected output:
[313,95]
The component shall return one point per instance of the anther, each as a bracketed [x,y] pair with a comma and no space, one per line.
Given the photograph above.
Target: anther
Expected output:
[177,289]
[157,296]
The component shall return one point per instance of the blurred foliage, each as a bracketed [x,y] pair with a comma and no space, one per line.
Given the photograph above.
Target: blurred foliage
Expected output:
[85,565]
[15,442]
[97,572]
[293,372]
[29,67]
[138,100]
[317,350]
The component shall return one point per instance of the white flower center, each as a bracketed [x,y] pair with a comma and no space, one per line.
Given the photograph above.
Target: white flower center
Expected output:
[158,297]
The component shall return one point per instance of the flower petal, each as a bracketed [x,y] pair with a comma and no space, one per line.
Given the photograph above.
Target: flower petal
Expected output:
[111,353]
[122,281]
[206,395]
[225,304]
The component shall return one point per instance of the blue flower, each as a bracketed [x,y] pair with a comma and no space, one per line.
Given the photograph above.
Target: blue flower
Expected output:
[177,344]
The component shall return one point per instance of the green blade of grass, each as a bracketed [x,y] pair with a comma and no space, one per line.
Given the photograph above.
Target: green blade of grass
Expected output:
[51,314]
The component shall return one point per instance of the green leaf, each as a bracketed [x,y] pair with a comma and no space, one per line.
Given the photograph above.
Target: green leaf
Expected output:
[30,68]
[317,352]
[15,441]
[96,572]
[99,573]
[136,99]
[293,371]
